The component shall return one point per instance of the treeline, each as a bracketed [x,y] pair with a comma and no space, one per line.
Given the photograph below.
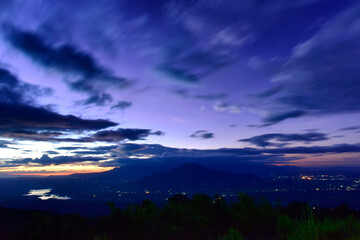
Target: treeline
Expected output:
[181,217]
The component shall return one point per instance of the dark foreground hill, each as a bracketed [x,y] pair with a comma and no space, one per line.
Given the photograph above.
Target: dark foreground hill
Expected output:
[181,217]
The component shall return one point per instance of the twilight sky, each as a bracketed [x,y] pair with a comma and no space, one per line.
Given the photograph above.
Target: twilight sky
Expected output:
[90,85]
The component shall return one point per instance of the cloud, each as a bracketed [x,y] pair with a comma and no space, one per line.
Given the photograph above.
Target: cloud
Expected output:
[98,99]
[231,108]
[20,118]
[131,153]
[276,117]
[90,152]
[202,134]
[178,74]
[204,42]
[158,154]
[42,134]
[70,148]
[182,92]
[84,150]
[255,62]
[203,96]
[4,144]
[69,60]
[132,147]
[52,152]
[321,77]
[162,151]
[338,148]
[215,96]
[122,105]
[34,135]
[14,91]
[121,134]
[188,64]
[29,117]
[280,139]
[352,128]
[45,160]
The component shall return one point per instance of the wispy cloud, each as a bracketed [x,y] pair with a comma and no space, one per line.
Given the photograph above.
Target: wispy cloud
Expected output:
[202,134]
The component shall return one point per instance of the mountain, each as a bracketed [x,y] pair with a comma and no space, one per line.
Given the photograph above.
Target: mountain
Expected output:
[123,174]
[258,169]
[192,176]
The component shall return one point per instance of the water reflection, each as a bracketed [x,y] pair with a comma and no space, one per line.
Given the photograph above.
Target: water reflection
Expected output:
[44,194]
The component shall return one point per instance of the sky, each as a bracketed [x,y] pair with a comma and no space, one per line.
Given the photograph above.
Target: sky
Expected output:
[87,86]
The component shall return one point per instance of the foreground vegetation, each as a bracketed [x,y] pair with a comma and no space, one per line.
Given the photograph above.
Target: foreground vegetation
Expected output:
[199,217]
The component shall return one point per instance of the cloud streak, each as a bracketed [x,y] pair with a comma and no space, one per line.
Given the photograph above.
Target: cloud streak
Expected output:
[69,60]
[17,111]
[266,140]
[202,134]
[321,77]
[122,105]
[45,160]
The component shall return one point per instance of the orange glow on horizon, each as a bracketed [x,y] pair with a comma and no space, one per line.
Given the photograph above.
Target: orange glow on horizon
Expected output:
[320,160]
[53,170]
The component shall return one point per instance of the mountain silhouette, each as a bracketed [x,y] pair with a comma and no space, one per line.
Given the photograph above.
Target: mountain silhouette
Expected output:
[123,174]
[195,176]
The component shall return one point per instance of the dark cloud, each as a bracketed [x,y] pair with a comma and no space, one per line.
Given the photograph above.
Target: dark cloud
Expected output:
[215,96]
[46,160]
[266,140]
[206,39]
[224,106]
[19,117]
[101,150]
[158,133]
[98,99]
[123,149]
[14,91]
[4,144]
[183,62]
[69,60]
[64,58]
[29,134]
[202,134]
[158,154]
[228,156]
[90,152]
[178,74]
[132,147]
[210,97]
[104,148]
[277,117]
[160,151]
[121,134]
[352,128]
[52,152]
[70,148]
[29,117]
[338,148]
[39,124]
[218,161]
[122,105]
[322,75]
[182,92]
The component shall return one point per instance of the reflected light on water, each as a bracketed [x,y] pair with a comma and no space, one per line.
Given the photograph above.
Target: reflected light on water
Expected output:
[44,194]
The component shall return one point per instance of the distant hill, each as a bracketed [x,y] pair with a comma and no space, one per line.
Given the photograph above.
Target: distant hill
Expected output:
[194,176]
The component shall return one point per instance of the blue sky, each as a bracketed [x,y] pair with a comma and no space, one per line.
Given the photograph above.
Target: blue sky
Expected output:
[261,75]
